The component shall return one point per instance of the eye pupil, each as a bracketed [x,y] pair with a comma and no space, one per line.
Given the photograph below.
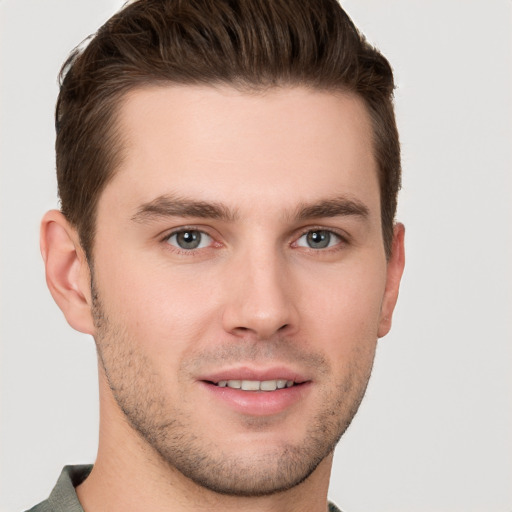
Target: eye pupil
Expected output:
[318,239]
[188,239]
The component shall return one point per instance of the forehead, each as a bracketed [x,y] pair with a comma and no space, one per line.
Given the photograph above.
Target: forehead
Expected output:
[284,144]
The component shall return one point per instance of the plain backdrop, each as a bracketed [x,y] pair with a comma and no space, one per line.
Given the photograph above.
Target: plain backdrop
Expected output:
[435,430]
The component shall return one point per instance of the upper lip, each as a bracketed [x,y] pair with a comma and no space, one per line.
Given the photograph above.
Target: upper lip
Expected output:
[251,373]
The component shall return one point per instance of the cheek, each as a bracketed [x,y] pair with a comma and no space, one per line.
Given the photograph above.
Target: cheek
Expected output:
[162,308]
[179,308]
[345,311]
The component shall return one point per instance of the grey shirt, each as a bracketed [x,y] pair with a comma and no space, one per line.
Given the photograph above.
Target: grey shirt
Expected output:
[63,498]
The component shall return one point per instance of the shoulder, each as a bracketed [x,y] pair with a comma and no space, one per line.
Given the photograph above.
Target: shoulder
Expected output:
[63,498]
[41,507]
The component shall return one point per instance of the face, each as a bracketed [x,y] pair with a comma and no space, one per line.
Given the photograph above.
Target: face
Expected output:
[239,279]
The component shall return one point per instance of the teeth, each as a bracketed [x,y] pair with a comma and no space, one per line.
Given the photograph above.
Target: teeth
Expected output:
[250,385]
[256,385]
[268,385]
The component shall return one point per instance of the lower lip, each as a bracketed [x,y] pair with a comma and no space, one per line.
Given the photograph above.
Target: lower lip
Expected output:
[259,403]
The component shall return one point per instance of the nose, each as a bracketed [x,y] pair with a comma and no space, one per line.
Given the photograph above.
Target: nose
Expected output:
[261,300]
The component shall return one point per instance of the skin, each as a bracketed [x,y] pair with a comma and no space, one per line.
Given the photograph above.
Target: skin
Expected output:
[254,296]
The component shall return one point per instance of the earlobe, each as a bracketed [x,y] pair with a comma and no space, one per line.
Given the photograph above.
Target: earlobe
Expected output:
[395,270]
[67,270]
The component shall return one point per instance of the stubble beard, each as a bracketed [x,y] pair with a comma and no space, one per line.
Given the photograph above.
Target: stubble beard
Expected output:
[169,433]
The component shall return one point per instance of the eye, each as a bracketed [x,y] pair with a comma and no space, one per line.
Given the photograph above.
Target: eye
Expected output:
[189,239]
[318,239]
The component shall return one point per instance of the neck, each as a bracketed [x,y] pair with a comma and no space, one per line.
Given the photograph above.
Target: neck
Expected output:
[130,476]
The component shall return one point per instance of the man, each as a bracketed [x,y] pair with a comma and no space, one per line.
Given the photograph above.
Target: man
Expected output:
[228,174]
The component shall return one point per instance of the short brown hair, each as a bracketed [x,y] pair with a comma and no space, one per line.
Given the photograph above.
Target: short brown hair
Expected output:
[245,43]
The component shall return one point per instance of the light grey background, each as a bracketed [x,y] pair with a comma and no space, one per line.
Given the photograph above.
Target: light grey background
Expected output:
[435,430]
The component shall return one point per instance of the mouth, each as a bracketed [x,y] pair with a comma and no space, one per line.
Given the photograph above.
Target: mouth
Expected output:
[255,385]
[253,392]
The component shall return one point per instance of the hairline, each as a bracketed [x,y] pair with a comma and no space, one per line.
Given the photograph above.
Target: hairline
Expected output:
[118,149]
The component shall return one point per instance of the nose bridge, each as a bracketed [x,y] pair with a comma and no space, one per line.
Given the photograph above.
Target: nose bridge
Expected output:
[260,299]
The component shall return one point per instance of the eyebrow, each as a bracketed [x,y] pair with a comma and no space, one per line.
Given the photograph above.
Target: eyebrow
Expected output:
[335,207]
[174,206]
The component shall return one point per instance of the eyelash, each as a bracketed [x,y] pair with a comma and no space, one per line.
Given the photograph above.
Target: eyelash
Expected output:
[343,240]
[187,252]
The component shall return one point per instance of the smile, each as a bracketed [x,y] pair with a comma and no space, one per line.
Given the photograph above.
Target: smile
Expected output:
[257,395]
[256,385]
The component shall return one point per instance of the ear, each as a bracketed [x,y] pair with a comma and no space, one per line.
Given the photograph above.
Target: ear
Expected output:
[395,270]
[67,271]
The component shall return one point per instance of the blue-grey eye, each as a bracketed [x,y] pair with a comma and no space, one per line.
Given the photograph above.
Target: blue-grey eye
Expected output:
[190,239]
[318,239]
